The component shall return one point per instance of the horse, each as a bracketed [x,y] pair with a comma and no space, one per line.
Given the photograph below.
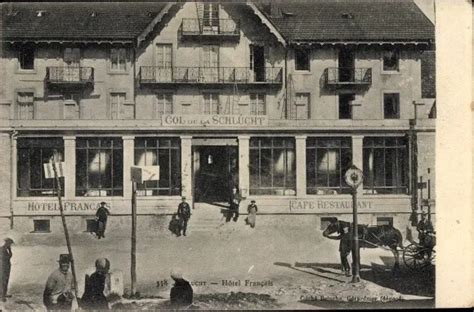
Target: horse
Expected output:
[369,237]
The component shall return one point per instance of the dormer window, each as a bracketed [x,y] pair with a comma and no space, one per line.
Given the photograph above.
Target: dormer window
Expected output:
[40,13]
[26,58]
[391,60]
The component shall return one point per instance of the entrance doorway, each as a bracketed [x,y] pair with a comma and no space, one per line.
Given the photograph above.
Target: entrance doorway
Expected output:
[215,172]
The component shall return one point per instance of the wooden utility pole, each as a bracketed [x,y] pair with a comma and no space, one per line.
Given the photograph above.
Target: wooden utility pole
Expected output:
[133,263]
[355,245]
[63,218]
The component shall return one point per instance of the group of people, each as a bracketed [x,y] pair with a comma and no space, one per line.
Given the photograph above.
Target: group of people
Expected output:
[179,221]
[59,290]
[234,206]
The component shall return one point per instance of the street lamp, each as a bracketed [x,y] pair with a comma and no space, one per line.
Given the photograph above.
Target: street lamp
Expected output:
[354,178]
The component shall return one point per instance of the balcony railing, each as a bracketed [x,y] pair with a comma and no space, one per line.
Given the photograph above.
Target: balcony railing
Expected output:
[210,27]
[339,76]
[209,75]
[68,75]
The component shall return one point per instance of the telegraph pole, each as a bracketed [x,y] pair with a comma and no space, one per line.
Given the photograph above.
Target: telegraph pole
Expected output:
[133,266]
[63,218]
[354,178]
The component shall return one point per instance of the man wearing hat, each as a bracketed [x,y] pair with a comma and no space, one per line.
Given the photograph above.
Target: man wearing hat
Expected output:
[101,216]
[58,293]
[424,228]
[181,293]
[184,213]
[5,266]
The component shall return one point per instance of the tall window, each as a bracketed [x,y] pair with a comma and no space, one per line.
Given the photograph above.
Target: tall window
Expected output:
[210,15]
[72,56]
[391,59]
[257,104]
[272,166]
[164,61]
[345,105]
[164,104]
[209,63]
[99,167]
[302,59]
[391,105]
[32,154]
[211,103]
[163,152]
[26,57]
[301,109]
[327,160]
[118,59]
[385,165]
[72,105]
[117,106]
[25,105]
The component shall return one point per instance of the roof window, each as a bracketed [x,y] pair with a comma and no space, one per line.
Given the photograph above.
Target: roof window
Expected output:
[347,15]
[40,13]
[94,14]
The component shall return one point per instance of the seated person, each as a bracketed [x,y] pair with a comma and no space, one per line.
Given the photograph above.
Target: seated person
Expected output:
[181,293]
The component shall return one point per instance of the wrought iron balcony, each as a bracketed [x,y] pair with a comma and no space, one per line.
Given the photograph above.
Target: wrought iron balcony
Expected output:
[150,75]
[210,28]
[69,75]
[340,76]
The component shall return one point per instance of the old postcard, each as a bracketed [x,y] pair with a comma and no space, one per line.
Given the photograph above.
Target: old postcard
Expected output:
[237,155]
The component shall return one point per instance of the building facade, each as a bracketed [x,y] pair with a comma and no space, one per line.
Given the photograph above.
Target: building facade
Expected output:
[278,100]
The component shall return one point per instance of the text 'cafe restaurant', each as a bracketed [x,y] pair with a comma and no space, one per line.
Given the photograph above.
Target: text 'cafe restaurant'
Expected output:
[292,173]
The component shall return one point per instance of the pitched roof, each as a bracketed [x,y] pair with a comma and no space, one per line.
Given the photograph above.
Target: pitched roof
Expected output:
[75,20]
[350,20]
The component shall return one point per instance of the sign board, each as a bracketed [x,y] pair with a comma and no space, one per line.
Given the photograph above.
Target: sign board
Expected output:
[139,174]
[49,171]
[213,120]
[353,177]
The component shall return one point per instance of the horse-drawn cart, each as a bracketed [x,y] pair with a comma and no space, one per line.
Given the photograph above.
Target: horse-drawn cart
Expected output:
[420,256]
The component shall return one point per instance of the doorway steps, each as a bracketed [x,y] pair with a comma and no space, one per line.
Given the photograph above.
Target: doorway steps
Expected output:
[209,218]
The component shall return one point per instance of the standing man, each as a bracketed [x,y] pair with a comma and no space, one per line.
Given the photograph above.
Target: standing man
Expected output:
[424,228]
[5,266]
[58,293]
[101,216]
[184,213]
[235,200]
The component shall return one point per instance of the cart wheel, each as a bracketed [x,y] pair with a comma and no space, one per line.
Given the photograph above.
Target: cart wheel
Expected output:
[418,258]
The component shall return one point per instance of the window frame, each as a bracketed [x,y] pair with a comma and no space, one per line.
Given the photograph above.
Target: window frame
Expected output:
[30,147]
[254,104]
[157,111]
[384,105]
[118,53]
[46,221]
[308,105]
[289,178]
[168,144]
[31,108]
[401,154]
[19,59]
[308,56]
[397,54]
[204,105]
[313,145]
[384,219]
[115,191]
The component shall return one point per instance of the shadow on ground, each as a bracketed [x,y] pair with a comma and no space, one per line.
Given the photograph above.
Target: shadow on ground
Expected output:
[420,283]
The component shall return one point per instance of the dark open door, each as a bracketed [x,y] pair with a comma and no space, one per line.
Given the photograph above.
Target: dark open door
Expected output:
[346,65]
[257,62]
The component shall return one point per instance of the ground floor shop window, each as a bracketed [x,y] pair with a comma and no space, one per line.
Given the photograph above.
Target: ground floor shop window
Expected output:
[385,165]
[327,160]
[32,154]
[99,167]
[272,166]
[163,152]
